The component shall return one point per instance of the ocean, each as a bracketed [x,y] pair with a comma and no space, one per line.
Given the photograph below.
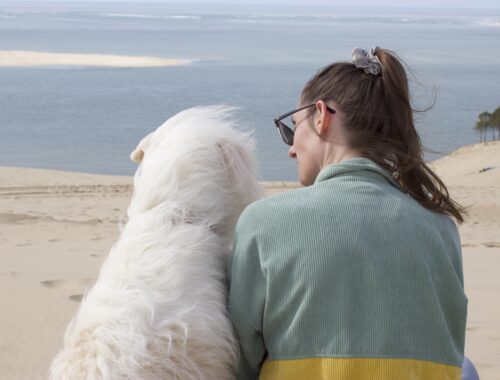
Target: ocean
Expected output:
[254,57]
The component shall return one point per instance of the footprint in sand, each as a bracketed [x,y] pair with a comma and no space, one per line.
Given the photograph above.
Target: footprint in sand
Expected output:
[10,273]
[67,283]
[11,218]
[76,297]
[25,244]
[492,244]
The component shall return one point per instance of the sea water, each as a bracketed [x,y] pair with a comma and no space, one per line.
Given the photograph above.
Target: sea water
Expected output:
[254,57]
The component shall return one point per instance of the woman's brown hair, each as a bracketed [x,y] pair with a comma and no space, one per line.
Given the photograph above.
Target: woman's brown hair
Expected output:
[378,118]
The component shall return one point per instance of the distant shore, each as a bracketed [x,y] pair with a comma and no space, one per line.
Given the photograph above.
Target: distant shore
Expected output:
[57,227]
[19,58]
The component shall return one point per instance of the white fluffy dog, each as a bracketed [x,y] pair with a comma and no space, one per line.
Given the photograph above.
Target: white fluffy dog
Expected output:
[158,308]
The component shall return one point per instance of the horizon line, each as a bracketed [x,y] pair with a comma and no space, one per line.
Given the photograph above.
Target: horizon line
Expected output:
[262,2]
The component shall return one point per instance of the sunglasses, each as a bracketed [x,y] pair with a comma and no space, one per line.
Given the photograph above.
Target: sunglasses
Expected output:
[285,131]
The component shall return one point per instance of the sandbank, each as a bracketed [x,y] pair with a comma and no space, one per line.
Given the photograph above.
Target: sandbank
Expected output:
[19,58]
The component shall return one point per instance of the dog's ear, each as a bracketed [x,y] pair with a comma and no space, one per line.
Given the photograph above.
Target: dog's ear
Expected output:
[138,154]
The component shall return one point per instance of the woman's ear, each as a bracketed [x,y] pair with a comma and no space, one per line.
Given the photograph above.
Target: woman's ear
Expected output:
[323,118]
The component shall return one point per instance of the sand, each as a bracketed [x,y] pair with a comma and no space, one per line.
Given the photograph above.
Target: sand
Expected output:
[57,227]
[17,58]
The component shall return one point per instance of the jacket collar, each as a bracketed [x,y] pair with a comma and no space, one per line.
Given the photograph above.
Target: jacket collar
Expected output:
[357,164]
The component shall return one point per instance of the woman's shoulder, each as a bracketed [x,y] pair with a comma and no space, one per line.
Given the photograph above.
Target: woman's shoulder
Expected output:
[274,208]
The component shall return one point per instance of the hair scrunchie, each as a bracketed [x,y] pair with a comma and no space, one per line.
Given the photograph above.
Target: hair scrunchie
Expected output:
[367,60]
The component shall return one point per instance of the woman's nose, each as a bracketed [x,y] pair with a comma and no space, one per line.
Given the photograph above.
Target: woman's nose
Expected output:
[291,152]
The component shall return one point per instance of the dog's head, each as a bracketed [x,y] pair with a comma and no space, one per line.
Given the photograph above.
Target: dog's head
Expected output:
[199,163]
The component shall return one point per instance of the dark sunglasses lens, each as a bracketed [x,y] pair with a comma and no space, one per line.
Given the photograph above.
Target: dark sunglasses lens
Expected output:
[286,133]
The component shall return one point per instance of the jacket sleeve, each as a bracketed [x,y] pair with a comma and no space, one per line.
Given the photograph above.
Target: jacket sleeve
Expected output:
[247,293]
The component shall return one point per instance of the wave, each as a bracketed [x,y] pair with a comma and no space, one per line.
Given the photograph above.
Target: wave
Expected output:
[7,16]
[125,15]
[377,19]
[182,17]
[270,18]
[344,19]
[490,23]
[147,16]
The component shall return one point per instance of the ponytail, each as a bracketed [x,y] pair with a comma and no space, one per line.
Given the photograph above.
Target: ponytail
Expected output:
[378,118]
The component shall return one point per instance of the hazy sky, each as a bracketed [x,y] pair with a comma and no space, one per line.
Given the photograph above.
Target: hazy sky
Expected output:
[351,3]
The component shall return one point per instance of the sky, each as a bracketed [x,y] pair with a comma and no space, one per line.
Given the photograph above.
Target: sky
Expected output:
[493,4]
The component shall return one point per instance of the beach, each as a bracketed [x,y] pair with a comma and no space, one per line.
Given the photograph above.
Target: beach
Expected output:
[57,227]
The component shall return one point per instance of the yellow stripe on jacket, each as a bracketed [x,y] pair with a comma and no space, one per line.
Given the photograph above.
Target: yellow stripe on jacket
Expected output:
[357,369]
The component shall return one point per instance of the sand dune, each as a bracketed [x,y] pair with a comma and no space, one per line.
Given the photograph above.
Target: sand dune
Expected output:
[17,58]
[57,227]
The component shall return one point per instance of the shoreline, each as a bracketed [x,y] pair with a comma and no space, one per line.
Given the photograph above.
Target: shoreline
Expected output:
[58,226]
[489,157]
[21,58]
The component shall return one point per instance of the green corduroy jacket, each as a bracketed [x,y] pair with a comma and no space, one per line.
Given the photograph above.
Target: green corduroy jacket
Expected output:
[348,278]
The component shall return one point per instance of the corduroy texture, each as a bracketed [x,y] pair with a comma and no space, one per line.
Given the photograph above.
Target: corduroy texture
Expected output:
[350,267]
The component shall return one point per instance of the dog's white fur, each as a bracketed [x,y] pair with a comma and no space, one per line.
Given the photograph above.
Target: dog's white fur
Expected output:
[158,308]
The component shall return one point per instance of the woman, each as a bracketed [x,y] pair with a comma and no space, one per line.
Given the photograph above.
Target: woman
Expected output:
[358,275]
